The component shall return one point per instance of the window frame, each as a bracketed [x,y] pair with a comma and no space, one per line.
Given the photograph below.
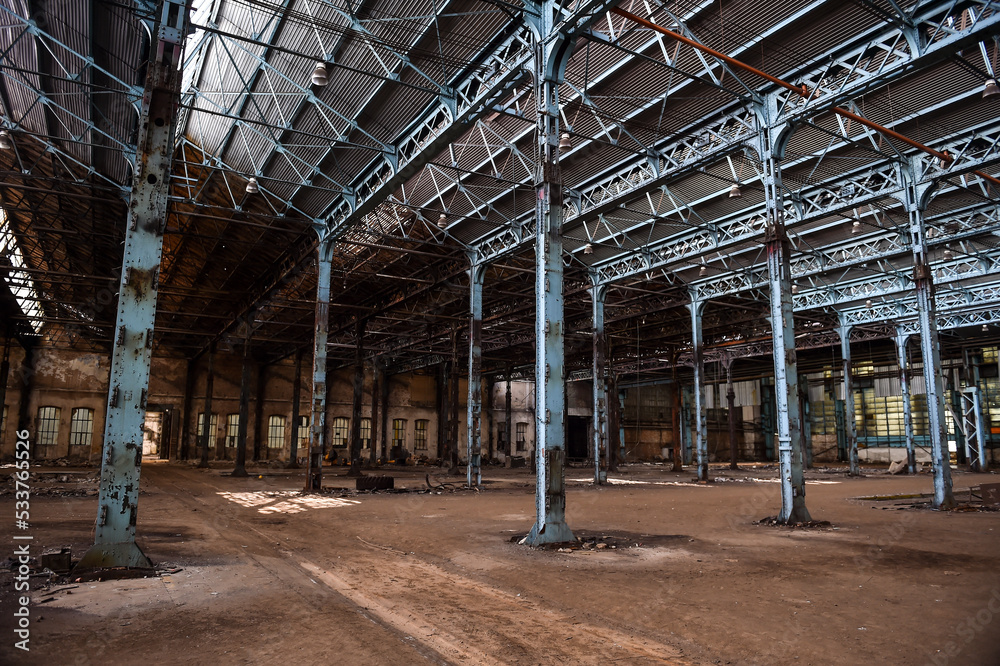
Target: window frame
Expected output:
[45,436]
[74,434]
[274,423]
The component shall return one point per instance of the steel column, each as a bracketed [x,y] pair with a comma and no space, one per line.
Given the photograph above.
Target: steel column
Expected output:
[114,539]
[4,377]
[850,414]
[599,429]
[453,405]
[376,393]
[930,349]
[731,407]
[259,446]
[697,308]
[793,489]
[317,424]
[507,413]
[384,425]
[550,380]
[206,433]
[241,438]
[902,339]
[474,404]
[293,449]
[356,398]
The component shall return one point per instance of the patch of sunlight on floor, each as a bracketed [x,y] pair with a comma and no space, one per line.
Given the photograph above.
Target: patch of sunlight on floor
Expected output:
[285,501]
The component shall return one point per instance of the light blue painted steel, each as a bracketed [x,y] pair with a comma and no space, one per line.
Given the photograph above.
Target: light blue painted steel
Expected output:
[550,381]
[850,418]
[793,489]
[118,498]
[915,199]
[599,430]
[697,309]
[317,425]
[902,338]
[474,475]
[972,425]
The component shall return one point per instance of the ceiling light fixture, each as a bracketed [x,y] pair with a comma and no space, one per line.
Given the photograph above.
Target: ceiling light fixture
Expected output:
[856,226]
[319,75]
[795,288]
[565,143]
[991,89]
[734,191]
[588,249]
[442,221]
[868,303]
[5,142]
[703,270]
[252,187]
[985,328]
[948,255]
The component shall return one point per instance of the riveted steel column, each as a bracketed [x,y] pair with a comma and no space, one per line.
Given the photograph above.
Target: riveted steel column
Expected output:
[929,346]
[599,430]
[293,449]
[786,376]
[697,308]
[850,416]
[474,404]
[550,382]
[317,424]
[114,539]
[902,338]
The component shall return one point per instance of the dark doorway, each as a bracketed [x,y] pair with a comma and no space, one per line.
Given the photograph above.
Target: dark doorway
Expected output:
[577,436]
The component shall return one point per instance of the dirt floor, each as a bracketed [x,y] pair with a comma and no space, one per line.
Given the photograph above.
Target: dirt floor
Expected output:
[668,571]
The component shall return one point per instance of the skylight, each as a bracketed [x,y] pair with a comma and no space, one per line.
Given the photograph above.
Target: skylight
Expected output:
[19,282]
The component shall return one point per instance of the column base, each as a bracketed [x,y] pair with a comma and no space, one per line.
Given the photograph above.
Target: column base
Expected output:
[799,514]
[106,555]
[550,532]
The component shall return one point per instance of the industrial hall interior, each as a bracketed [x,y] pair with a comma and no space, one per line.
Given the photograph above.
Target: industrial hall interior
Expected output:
[500,331]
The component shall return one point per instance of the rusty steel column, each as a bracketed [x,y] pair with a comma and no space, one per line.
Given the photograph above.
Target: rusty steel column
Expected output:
[293,450]
[915,200]
[474,435]
[599,408]
[697,309]
[786,374]
[550,320]
[317,424]
[359,381]
[4,375]
[118,499]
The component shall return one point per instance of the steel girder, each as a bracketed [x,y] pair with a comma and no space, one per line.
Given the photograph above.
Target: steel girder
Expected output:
[731,130]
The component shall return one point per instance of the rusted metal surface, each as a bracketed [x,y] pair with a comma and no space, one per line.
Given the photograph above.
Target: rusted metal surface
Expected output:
[118,500]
